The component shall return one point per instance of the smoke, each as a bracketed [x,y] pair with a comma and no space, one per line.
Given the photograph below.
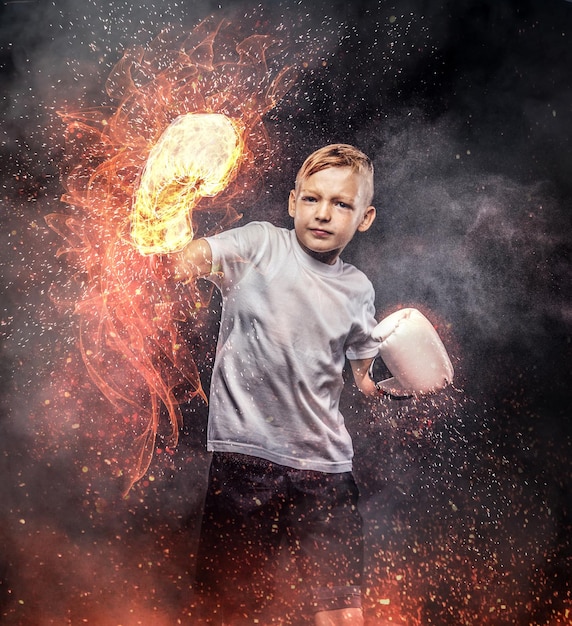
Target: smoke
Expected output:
[464,107]
[464,240]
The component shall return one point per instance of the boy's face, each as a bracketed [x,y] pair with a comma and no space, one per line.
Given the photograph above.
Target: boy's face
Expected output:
[328,208]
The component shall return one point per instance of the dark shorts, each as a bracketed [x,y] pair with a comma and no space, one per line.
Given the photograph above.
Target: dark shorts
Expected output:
[252,507]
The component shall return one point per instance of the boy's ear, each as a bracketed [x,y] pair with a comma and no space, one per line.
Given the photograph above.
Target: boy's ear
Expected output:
[292,203]
[368,217]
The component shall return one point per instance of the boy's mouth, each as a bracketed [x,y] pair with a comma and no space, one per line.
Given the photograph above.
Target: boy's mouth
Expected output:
[318,232]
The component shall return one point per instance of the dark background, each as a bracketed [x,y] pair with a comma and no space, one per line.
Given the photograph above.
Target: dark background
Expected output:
[466,108]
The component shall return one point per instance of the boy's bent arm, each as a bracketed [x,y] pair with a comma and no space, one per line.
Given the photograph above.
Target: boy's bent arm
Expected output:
[193,261]
[360,369]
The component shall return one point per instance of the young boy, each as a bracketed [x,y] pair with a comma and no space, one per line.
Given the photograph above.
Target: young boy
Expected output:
[282,457]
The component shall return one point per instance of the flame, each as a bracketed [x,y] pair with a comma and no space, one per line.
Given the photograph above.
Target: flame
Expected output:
[186,136]
[196,156]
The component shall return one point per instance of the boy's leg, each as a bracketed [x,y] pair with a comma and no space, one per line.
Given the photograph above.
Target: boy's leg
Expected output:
[240,536]
[326,532]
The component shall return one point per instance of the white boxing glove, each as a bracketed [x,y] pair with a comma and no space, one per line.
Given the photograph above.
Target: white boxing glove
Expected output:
[413,353]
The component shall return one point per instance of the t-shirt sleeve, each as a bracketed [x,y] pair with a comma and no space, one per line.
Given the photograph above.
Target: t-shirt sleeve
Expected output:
[360,343]
[234,250]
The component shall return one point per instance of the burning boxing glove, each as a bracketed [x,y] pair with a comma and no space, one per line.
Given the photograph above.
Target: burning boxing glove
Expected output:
[197,156]
[413,353]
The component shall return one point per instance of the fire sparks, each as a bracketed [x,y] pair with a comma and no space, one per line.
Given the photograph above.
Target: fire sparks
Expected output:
[186,136]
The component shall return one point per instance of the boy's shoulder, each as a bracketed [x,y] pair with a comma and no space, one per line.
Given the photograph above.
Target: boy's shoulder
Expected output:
[256,241]
[265,226]
[356,275]
[256,226]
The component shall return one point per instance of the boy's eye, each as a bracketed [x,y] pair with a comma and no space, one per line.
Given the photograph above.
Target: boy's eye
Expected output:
[308,199]
[343,205]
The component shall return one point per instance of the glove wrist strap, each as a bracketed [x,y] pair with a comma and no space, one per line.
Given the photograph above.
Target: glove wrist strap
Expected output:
[379,384]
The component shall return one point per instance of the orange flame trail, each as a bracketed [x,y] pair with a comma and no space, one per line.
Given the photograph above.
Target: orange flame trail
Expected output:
[186,137]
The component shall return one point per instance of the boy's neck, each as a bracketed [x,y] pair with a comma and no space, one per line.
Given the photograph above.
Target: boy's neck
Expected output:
[328,258]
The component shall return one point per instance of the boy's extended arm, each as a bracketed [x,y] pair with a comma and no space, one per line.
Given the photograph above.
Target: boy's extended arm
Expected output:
[193,261]
[360,369]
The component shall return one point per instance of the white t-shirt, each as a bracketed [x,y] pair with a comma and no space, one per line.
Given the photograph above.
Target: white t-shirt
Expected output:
[288,322]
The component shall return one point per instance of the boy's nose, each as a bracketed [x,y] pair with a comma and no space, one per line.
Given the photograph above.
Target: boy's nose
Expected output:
[322,211]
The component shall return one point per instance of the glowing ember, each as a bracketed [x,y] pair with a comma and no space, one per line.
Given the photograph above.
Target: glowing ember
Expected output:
[186,136]
[196,156]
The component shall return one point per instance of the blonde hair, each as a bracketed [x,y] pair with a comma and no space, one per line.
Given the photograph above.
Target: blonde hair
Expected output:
[338,155]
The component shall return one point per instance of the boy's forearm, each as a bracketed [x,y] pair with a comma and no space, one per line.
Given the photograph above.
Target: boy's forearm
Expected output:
[365,384]
[193,261]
